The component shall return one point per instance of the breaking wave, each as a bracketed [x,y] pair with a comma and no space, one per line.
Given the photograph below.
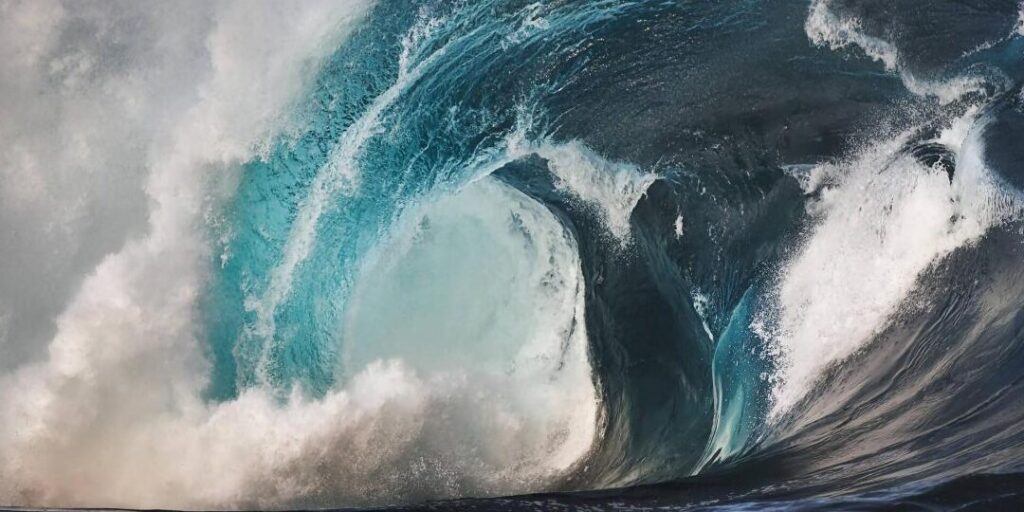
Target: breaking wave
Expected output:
[357,253]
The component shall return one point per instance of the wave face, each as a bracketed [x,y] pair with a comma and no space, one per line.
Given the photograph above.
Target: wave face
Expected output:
[597,253]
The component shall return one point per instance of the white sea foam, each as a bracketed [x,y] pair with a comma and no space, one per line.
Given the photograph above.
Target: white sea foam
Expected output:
[882,224]
[169,100]
[1019,28]
[882,220]
[827,28]
[612,187]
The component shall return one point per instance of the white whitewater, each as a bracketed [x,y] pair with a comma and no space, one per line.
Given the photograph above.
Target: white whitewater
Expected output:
[103,403]
[827,28]
[882,219]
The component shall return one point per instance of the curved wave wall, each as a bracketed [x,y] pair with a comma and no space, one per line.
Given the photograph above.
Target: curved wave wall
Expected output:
[272,255]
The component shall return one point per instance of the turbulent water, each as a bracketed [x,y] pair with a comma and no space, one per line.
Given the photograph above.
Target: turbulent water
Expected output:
[495,254]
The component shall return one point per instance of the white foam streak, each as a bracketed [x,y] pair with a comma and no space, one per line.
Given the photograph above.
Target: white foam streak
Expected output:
[886,221]
[614,187]
[1019,29]
[826,28]
[339,175]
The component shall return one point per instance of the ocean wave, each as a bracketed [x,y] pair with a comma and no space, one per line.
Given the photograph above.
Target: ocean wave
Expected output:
[626,254]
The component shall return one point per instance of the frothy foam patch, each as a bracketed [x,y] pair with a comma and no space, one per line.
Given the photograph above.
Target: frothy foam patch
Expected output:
[701,304]
[112,414]
[826,28]
[614,187]
[885,221]
[1019,29]
[829,29]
